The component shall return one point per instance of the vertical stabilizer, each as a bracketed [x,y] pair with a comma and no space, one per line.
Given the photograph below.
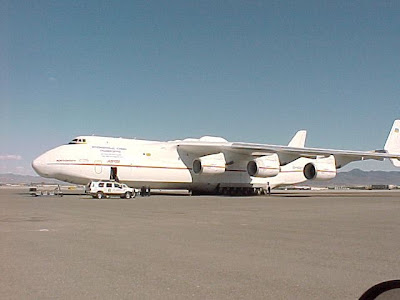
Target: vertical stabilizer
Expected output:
[299,139]
[392,145]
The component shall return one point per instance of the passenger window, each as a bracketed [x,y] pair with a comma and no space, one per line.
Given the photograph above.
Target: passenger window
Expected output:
[109,185]
[101,184]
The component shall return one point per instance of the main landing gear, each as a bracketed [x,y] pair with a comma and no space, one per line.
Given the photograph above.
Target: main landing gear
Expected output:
[241,191]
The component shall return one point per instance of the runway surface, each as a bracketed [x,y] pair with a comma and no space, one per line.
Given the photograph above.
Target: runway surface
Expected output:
[301,245]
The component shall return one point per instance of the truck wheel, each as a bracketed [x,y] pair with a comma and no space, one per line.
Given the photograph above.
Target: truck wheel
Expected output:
[100,195]
[128,195]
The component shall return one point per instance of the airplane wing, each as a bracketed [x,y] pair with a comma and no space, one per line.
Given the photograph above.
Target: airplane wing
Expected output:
[285,153]
[288,154]
[296,149]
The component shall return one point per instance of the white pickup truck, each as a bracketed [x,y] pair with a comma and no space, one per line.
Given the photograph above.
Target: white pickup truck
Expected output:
[107,188]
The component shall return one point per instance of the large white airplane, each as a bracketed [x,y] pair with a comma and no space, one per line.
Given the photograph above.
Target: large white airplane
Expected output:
[205,165]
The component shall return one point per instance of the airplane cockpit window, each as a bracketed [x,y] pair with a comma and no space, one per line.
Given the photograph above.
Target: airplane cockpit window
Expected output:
[78,141]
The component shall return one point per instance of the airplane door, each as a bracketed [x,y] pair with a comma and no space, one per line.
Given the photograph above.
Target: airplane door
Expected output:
[113,174]
[97,166]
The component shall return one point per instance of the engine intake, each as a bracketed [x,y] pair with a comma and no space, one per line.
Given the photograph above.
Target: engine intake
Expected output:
[210,164]
[320,169]
[265,166]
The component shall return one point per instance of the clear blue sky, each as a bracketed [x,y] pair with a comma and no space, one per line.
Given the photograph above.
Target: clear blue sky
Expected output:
[254,71]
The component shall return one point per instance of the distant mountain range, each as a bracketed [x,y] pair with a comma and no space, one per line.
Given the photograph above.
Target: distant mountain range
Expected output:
[358,177]
[10,178]
[352,178]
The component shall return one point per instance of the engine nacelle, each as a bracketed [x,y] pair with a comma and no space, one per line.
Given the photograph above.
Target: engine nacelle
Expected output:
[210,164]
[265,166]
[321,169]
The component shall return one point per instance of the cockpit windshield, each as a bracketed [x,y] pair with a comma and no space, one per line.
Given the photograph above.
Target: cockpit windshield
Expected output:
[78,141]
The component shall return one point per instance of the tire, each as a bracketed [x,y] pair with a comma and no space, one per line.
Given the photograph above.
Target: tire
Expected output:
[100,195]
[128,195]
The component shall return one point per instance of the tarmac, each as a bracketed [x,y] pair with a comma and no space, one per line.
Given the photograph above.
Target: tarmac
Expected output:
[290,245]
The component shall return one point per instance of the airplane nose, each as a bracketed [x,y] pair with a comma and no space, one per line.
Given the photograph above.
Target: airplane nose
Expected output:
[39,166]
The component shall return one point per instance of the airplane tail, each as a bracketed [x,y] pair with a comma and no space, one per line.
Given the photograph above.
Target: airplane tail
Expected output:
[392,145]
[299,139]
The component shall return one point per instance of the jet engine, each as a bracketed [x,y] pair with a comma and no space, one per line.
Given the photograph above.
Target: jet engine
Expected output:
[265,166]
[210,164]
[321,169]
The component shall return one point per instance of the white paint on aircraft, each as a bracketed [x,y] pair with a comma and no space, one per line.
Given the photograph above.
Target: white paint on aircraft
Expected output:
[205,165]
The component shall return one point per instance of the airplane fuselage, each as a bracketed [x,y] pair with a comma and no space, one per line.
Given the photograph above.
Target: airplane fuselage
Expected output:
[158,165]
[205,165]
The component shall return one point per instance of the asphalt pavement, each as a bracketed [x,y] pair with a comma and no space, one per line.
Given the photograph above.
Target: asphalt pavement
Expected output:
[300,245]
